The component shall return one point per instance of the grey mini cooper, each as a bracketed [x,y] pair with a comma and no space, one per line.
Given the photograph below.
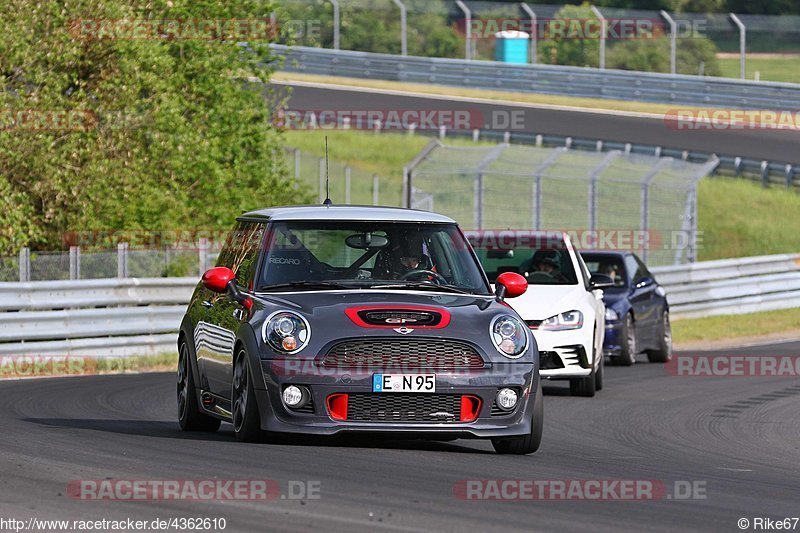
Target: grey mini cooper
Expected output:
[331,319]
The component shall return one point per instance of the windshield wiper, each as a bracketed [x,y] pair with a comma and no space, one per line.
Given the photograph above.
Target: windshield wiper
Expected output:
[310,285]
[421,285]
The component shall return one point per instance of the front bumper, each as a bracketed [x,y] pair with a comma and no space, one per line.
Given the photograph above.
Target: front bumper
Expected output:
[565,354]
[483,383]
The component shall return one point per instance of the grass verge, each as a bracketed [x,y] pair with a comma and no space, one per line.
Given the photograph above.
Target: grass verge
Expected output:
[770,67]
[717,328]
[36,366]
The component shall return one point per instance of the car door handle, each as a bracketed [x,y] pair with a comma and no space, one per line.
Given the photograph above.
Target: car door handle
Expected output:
[207,304]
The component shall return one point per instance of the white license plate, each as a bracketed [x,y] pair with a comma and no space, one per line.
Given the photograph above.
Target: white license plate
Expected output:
[404,383]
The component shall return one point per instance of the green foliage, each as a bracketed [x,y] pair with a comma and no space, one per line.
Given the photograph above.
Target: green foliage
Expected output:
[170,136]
[373,26]
[568,48]
[652,55]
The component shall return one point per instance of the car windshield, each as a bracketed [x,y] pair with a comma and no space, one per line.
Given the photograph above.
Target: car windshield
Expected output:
[610,265]
[542,260]
[341,254]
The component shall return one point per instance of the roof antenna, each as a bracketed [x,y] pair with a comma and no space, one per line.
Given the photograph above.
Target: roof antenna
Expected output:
[327,201]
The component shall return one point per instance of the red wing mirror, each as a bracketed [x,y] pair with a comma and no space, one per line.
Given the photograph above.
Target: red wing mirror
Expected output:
[510,285]
[217,279]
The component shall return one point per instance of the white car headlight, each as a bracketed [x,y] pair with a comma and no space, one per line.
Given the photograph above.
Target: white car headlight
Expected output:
[611,315]
[509,335]
[286,332]
[563,321]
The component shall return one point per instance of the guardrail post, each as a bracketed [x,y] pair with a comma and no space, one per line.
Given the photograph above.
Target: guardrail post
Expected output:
[673,40]
[742,44]
[534,30]
[25,264]
[202,255]
[468,21]
[376,183]
[789,170]
[74,262]
[122,260]
[764,174]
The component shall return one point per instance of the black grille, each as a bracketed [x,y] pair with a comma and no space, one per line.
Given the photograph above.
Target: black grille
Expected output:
[385,317]
[404,407]
[403,353]
[549,361]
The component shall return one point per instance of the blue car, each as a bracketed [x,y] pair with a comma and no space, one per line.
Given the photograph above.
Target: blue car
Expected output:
[637,313]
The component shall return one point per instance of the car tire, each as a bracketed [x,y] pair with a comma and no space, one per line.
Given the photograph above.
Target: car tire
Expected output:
[190,417]
[664,351]
[627,354]
[524,444]
[585,387]
[244,409]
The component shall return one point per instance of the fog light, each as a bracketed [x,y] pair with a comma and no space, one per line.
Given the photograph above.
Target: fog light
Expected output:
[506,399]
[293,396]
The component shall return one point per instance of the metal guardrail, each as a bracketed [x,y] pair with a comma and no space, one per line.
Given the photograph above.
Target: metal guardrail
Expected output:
[545,79]
[732,286]
[104,317]
[119,317]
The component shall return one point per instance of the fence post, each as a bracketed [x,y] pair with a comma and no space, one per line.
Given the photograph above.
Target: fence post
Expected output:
[403,28]
[673,40]
[376,182]
[335,24]
[74,262]
[468,21]
[122,260]
[534,30]
[603,32]
[202,255]
[742,44]
[478,201]
[25,264]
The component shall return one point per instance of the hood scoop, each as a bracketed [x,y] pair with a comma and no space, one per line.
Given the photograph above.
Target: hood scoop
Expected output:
[398,317]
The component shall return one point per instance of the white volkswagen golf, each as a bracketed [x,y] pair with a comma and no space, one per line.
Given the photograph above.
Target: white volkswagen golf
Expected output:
[563,305]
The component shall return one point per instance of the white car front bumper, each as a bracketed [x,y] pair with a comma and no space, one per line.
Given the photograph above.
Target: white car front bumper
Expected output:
[570,350]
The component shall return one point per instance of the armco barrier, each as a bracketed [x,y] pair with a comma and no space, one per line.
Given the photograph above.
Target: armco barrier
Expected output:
[141,316]
[544,79]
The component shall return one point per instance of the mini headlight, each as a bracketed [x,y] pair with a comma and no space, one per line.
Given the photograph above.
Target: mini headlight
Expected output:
[509,336]
[611,315]
[562,321]
[286,332]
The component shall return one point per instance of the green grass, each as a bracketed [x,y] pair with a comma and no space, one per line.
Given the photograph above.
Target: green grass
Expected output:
[739,218]
[733,326]
[779,68]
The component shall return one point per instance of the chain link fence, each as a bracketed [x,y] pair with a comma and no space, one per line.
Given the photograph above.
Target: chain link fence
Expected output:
[608,199]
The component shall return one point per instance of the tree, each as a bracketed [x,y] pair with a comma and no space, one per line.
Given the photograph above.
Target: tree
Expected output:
[153,133]
[566,40]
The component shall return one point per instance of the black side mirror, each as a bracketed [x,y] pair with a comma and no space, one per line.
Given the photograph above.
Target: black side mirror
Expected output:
[600,281]
[644,282]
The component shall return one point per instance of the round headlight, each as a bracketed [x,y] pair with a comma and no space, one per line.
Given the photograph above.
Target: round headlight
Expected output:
[286,332]
[509,335]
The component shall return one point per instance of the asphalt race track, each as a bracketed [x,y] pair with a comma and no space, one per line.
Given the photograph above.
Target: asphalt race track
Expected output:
[772,145]
[738,438]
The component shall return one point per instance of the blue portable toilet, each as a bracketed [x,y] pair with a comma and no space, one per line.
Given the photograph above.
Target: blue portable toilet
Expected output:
[512,46]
